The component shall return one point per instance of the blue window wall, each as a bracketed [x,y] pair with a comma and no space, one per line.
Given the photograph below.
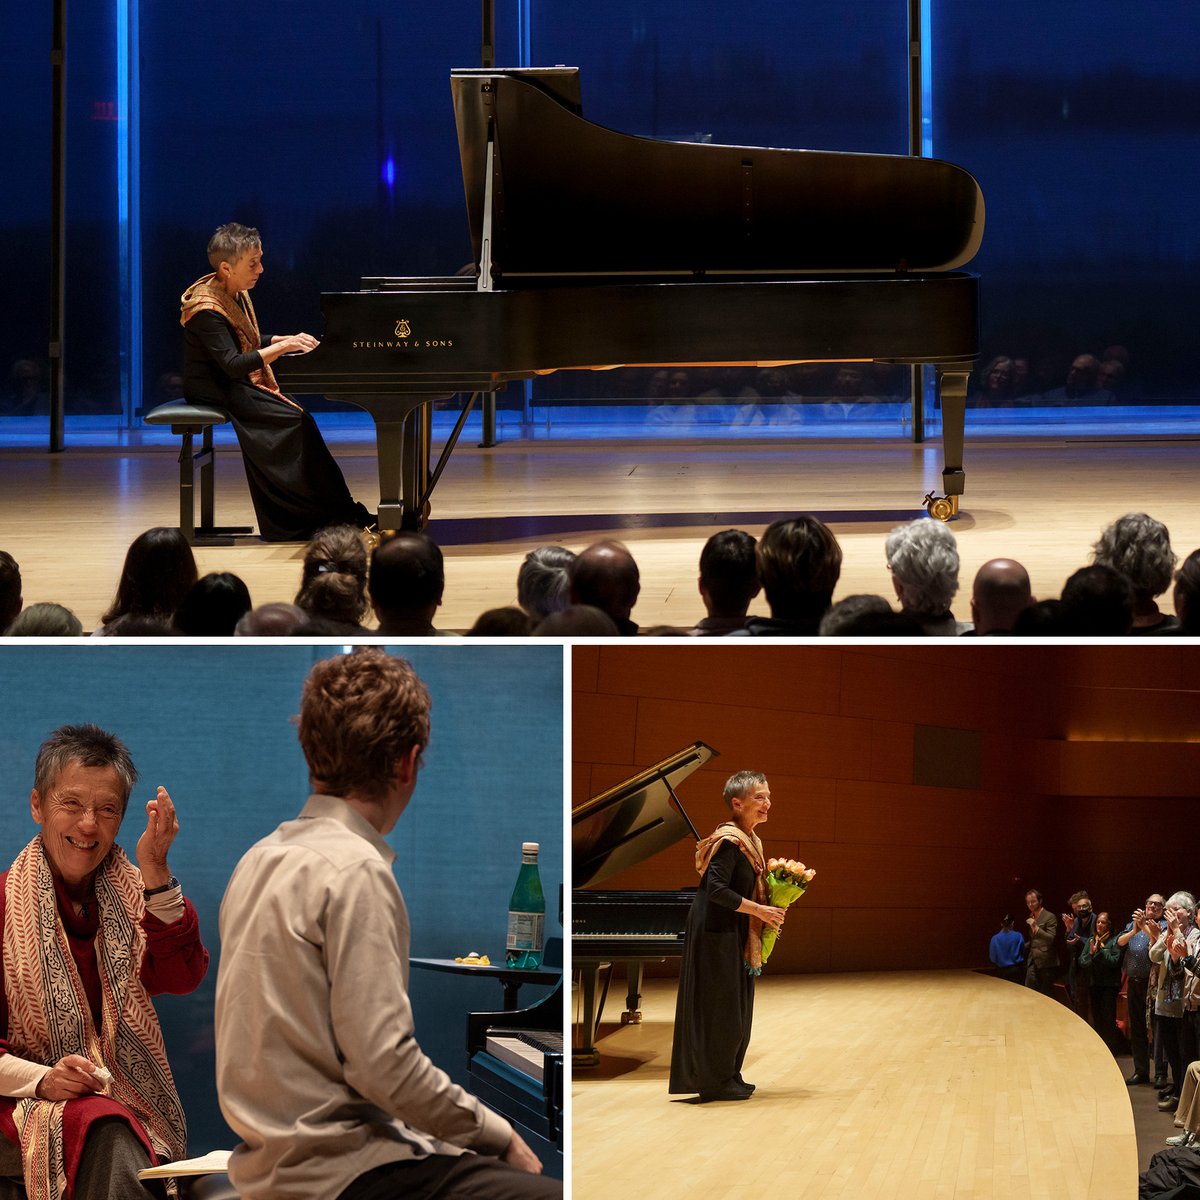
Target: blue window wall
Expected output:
[330,128]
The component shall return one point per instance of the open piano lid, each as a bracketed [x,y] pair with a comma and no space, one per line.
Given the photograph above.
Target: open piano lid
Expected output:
[634,820]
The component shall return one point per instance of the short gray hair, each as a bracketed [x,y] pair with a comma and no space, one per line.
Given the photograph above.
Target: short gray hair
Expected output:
[230,242]
[45,620]
[1184,900]
[736,786]
[89,746]
[543,582]
[1138,547]
[923,555]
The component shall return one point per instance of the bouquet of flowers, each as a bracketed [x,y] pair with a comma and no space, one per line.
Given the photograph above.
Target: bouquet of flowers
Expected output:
[787,881]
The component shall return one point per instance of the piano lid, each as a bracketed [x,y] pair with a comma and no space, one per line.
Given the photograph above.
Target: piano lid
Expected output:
[569,197]
[634,820]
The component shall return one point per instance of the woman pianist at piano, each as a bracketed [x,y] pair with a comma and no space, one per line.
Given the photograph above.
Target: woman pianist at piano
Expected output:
[715,1004]
[295,483]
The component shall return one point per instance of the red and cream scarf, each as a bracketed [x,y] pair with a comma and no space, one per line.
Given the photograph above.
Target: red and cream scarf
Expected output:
[752,848]
[49,1015]
[206,295]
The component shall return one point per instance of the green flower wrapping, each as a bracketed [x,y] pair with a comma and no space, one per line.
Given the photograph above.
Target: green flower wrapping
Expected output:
[786,883]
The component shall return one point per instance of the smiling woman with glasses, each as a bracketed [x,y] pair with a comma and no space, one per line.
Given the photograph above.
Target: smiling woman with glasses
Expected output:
[86,1094]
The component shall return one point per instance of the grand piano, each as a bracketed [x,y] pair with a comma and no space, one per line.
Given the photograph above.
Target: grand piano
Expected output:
[594,249]
[621,827]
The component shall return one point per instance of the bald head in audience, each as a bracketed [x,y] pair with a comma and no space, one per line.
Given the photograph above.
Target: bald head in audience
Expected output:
[406,584]
[1000,594]
[606,577]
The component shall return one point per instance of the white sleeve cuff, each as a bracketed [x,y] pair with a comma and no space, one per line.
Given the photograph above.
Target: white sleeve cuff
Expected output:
[19,1077]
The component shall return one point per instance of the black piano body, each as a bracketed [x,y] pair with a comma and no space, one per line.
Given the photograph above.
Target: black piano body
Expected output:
[625,825]
[596,249]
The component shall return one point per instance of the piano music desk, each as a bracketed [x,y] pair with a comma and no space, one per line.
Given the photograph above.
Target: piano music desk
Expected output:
[510,978]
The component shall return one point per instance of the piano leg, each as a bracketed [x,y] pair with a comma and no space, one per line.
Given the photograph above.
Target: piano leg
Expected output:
[586,1055]
[952,383]
[633,999]
[389,450]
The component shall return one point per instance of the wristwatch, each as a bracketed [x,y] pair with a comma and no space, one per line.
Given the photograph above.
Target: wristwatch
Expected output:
[165,887]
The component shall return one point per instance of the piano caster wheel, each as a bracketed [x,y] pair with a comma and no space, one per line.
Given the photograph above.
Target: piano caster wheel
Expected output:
[942,508]
[632,1018]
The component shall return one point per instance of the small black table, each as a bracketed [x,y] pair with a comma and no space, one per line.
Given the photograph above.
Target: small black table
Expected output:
[510,978]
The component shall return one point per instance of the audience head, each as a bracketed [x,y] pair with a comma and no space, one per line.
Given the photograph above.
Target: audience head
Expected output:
[606,577]
[729,573]
[1187,594]
[1082,377]
[577,620]
[1043,618]
[799,562]
[502,622]
[1096,602]
[333,586]
[360,715]
[543,582]
[923,559]
[1138,547]
[159,571]
[406,581]
[271,620]
[45,620]
[1000,594]
[1184,904]
[214,605]
[867,616]
[10,589]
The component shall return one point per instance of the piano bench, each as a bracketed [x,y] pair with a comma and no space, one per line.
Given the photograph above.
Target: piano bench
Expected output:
[186,419]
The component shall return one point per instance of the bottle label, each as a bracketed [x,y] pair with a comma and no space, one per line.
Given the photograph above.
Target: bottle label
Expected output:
[525,930]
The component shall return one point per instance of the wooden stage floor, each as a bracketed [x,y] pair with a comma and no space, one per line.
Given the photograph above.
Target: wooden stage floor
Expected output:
[895,1086]
[68,518]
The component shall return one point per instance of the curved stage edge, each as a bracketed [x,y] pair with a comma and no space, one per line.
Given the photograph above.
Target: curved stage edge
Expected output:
[898,1085]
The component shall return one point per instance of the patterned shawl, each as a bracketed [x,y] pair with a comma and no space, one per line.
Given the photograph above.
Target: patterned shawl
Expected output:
[49,1015]
[206,295]
[752,848]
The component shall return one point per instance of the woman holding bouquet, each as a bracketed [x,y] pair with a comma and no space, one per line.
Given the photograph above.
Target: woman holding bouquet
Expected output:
[723,948]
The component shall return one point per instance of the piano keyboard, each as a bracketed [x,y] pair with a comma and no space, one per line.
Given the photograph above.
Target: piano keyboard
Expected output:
[526,1051]
[626,936]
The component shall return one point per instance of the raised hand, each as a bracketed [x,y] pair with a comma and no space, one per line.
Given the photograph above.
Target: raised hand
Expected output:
[161,827]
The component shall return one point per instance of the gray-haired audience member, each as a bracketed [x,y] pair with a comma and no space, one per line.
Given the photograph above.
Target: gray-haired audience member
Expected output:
[406,584]
[1096,602]
[1187,595]
[606,577]
[799,563]
[271,620]
[1000,594]
[45,620]
[1139,547]
[10,589]
[728,582]
[923,559]
[577,620]
[543,582]
[867,616]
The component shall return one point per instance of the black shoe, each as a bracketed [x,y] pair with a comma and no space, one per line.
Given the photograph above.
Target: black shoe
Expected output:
[1135,1079]
[731,1091]
[1164,1092]
[749,1087]
[1160,1082]
[1170,1104]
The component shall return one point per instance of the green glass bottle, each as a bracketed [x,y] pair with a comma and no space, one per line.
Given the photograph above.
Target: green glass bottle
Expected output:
[526,913]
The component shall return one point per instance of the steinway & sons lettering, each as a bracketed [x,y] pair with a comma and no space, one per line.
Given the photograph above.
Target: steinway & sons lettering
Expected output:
[405,344]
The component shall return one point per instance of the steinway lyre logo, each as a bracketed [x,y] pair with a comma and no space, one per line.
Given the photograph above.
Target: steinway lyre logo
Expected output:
[403,328]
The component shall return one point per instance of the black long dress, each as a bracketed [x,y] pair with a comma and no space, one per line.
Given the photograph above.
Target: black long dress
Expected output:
[715,1005]
[295,483]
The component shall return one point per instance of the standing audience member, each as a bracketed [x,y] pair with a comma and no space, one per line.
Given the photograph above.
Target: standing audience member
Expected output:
[1079,926]
[1187,595]
[45,620]
[1042,955]
[606,577]
[728,582]
[333,586]
[1000,594]
[1096,602]
[799,563]
[10,589]
[923,559]
[159,571]
[1139,548]
[544,582]
[406,585]
[1168,1002]
[213,606]
[1100,959]
[1137,938]
[1007,952]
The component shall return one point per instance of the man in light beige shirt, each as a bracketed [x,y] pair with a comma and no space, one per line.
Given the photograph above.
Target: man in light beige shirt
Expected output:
[318,1068]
